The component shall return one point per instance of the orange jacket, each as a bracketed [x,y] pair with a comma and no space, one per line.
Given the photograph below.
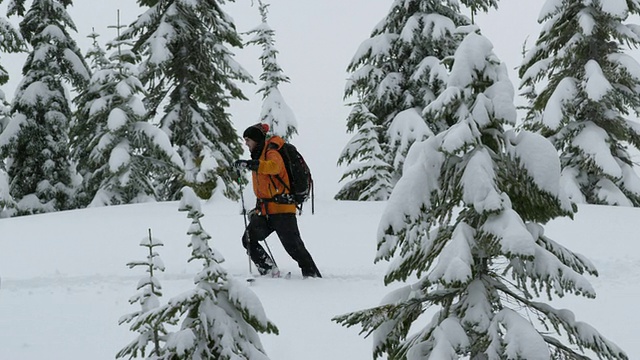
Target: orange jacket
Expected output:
[265,183]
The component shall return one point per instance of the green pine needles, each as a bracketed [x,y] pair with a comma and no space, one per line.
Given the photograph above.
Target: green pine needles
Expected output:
[464,227]
[583,92]
[151,334]
[394,75]
[218,319]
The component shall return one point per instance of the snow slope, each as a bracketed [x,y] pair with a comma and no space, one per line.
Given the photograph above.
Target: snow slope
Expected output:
[65,283]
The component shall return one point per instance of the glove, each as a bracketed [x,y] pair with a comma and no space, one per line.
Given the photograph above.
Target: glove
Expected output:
[240,164]
[252,213]
[246,164]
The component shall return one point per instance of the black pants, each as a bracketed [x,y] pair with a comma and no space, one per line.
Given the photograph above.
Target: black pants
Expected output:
[286,227]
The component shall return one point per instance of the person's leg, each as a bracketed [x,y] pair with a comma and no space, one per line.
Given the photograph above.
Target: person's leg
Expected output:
[257,230]
[286,226]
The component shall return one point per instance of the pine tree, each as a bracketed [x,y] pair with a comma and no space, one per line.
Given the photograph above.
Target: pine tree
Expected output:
[587,87]
[148,298]
[10,42]
[190,72]
[96,55]
[395,74]
[36,141]
[81,129]
[7,205]
[465,220]
[220,319]
[275,111]
[119,155]
[371,175]
[479,5]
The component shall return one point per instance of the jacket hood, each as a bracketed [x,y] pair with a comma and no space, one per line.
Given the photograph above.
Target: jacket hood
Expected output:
[275,141]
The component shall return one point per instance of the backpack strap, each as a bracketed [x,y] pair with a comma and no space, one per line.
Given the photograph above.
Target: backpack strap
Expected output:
[272,146]
[285,198]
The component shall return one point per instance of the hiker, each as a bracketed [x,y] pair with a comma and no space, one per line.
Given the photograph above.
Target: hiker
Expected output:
[270,214]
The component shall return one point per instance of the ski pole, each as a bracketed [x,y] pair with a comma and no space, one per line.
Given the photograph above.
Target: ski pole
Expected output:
[270,254]
[246,226]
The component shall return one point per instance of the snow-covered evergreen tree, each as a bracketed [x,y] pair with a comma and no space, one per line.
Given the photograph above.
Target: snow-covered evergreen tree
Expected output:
[150,290]
[97,60]
[96,55]
[119,154]
[465,220]
[10,41]
[191,76]
[588,96]
[395,74]
[368,170]
[221,317]
[476,6]
[275,111]
[7,205]
[36,140]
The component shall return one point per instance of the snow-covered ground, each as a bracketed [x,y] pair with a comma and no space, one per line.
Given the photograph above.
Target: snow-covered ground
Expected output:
[65,283]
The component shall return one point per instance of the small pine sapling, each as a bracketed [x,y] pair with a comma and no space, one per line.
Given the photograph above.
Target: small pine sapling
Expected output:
[149,330]
[221,317]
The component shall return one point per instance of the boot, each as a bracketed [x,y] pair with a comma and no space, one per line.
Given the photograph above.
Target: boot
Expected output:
[268,268]
[313,273]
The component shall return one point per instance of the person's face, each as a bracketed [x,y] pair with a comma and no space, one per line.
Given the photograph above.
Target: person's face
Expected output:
[251,144]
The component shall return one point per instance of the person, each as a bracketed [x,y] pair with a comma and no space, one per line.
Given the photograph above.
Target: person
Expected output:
[270,214]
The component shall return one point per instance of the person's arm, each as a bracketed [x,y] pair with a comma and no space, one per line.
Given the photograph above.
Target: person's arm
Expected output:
[272,164]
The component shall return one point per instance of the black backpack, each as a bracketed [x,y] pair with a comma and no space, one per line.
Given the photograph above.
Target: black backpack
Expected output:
[300,180]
